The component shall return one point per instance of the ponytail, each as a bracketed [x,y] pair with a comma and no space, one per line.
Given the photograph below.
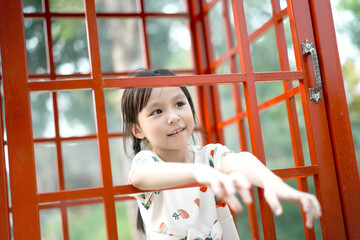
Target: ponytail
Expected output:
[136,145]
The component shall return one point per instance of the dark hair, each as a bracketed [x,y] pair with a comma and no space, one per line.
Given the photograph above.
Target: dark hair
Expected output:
[133,101]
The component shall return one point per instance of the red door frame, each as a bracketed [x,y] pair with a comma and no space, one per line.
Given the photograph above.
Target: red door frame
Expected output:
[338,179]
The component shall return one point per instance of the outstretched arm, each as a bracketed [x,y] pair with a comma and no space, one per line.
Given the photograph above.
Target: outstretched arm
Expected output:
[275,190]
[151,176]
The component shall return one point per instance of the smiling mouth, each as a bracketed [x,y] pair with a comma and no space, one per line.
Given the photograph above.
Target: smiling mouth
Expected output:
[176,132]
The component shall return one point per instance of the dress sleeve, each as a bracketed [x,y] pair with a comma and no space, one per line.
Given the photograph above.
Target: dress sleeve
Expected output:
[144,157]
[216,152]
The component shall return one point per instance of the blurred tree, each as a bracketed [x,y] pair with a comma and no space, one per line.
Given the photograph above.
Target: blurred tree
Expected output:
[351,27]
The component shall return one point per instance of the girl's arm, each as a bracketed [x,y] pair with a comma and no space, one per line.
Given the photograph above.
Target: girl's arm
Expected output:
[275,189]
[154,176]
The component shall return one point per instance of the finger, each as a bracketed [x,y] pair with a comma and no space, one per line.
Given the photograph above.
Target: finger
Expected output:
[234,204]
[309,220]
[217,188]
[274,203]
[229,186]
[311,205]
[242,186]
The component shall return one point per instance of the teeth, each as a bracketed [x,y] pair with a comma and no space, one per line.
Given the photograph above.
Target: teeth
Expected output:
[176,132]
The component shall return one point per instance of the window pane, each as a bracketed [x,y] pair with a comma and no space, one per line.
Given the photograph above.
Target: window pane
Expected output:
[120,45]
[264,53]
[126,220]
[31,6]
[42,115]
[66,6]
[217,30]
[70,48]
[50,224]
[120,161]
[257,13]
[81,164]
[168,6]
[76,113]
[35,46]
[46,167]
[231,134]
[116,6]
[169,44]
[87,222]
[113,110]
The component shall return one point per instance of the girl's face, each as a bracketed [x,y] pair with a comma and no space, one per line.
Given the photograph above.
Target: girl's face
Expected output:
[166,121]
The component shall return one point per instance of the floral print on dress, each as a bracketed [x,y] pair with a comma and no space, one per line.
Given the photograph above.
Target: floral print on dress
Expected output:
[163,228]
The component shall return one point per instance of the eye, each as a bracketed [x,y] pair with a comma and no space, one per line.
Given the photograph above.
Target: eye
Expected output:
[179,104]
[156,112]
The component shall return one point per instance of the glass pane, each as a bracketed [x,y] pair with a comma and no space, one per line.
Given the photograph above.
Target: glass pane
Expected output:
[31,6]
[81,164]
[317,224]
[266,90]
[276,137]
[87,222]
[70,48]
[126,212]
[66,6]
[223,68]
[283,4]
[264,53]
[302,127]
[226,101]
[113,110]
[168,6]
[76,113]
[46,167]
[120,161]
[51,224]
[217,30]
[231,134]
[290,46]
[116,6]
[257,13]
[35,46]
[120,45]
[170,43]
[42,115]
[290,224]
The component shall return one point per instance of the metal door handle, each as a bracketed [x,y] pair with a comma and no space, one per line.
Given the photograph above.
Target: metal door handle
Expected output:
[315,93]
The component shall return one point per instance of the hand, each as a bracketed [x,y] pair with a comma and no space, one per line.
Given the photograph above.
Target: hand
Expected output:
[225,186]
[276,190]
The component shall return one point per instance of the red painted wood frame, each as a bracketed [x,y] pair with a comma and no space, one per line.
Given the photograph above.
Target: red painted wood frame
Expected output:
[333,163]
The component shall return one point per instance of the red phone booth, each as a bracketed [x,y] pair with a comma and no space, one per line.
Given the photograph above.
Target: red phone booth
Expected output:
[310,91]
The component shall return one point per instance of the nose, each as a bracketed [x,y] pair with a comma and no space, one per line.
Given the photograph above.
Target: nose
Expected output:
[173,117]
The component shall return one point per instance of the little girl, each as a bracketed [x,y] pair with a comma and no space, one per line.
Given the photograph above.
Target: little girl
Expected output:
[160,122]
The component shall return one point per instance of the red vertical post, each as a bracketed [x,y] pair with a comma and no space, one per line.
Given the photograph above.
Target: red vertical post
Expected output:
[4,203]
[290,106]
[253,219]
[18,122]
[338,115]
[252,108]
[101,125]
[317,130]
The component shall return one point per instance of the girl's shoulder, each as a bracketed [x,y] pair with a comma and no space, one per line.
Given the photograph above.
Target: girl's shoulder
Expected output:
[146,156]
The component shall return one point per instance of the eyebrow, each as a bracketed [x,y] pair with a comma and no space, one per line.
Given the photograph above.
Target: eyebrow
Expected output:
[155,104]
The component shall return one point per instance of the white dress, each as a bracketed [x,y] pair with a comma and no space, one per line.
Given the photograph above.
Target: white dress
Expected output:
[188,213]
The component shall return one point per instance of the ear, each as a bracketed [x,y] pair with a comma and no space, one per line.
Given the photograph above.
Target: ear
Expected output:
[137,131]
